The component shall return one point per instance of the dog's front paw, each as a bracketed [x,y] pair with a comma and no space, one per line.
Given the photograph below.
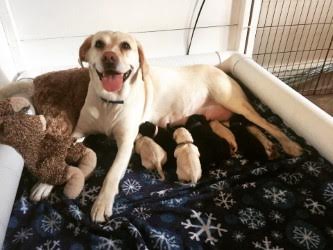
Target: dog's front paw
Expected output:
[271,150]
[40,191]
[292,149]
[233,148]
[102,208]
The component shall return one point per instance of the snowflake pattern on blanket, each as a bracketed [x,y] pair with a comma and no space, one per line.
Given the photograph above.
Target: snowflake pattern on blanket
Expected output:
[270,205]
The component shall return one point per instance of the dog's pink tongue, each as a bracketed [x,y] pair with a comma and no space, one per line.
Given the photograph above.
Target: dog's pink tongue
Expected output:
[112,83]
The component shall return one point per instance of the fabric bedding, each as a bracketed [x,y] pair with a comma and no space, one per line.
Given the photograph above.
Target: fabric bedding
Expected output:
[282,204]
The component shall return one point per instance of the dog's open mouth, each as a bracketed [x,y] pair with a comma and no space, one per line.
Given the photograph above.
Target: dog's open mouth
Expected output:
[113,81]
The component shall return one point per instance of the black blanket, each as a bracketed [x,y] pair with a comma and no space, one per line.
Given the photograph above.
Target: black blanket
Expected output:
[281,204]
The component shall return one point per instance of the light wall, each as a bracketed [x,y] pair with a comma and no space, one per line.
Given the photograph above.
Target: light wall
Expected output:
[47,34]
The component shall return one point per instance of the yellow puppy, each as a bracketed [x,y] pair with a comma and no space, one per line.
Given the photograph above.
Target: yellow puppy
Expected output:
[187,154]
[152,155]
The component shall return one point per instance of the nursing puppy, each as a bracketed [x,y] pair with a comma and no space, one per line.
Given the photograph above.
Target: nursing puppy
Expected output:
[124,92]
[187,155]
[213,148]
[161,136]
[153,156]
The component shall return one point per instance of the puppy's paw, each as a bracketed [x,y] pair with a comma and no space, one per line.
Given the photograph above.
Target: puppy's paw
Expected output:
[40,191]
[102,208]
[271,150]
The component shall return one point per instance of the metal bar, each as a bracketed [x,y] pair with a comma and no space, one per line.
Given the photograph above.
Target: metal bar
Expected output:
[302,57]
[248,27]
[299,42]
[276,30]
[284,28]
[269,3]
[299,86]
[322,68]
[292,51]
[318,61]
[288,25]
[269,33]
[293,18]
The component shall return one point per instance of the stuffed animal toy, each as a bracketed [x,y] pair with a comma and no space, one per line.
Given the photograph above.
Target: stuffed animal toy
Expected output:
[213,149]
[187,155]
[152,155]
[47,156]
[59,96]
[161,136]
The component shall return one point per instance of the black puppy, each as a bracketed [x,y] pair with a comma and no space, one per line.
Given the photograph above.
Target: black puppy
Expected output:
[213,149]
[248,144]
[161,136]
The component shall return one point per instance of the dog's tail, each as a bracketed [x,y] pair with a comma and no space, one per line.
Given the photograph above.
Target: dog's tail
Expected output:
[19,88]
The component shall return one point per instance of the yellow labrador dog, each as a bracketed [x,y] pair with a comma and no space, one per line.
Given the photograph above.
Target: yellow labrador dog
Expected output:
[125,91]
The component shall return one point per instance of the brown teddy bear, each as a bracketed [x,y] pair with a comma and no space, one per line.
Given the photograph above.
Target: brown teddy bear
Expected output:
[60,96]
[48,156]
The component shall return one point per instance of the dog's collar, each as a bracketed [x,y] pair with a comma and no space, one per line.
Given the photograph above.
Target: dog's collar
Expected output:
[112,102]
[184,143]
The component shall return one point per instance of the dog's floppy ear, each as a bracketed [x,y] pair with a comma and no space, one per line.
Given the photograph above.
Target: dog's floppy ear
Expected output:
[84,49]
[143,61]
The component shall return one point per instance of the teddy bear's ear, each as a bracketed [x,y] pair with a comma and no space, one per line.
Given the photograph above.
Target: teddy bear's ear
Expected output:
[84,49]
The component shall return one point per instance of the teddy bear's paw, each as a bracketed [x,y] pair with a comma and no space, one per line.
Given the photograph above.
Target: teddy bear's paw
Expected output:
[75,182]
[40,191]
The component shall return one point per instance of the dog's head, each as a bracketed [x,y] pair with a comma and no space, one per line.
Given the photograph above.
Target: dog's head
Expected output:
[147,129]
[195,121]
[181,135]
[115,61]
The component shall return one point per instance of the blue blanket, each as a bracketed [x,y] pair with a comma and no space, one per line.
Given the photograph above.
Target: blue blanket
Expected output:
[282,204]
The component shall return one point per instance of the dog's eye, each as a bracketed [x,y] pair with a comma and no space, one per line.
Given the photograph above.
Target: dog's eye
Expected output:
[125,46]
[99,44]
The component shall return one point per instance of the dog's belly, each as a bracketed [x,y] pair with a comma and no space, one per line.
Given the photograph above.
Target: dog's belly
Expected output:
[215,112]
[211,112]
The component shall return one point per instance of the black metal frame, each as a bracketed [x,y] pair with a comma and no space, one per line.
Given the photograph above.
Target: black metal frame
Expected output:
[305,64]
